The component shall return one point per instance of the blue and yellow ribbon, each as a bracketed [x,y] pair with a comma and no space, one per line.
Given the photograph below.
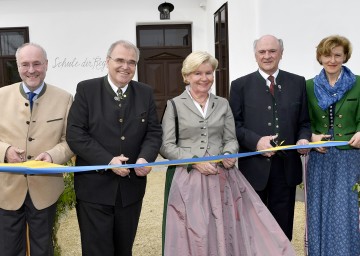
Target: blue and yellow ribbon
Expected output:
[39,167]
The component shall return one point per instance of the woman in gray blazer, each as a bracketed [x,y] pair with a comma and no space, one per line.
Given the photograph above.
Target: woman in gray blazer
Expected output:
[211,208]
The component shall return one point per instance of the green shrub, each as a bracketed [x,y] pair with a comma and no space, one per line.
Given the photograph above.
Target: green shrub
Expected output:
[65,203]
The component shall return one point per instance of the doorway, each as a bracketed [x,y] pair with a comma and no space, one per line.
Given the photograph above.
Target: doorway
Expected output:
[162,51]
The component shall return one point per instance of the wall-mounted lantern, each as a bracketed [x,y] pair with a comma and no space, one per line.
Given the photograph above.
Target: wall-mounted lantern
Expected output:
[165,9]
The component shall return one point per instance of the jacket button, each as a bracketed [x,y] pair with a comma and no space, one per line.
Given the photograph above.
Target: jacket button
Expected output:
[269,124]
[29,157]
[323,117]
[340,116]
[120,120]
[122,138]
[269,107]
[339,125]
[325,125]
[27,122]
[31,139]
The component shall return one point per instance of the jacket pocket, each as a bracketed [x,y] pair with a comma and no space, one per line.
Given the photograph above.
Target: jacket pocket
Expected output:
[54,120]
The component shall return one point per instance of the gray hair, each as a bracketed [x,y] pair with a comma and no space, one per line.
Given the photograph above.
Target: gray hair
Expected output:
[127,45]
[281,43]
[30,44]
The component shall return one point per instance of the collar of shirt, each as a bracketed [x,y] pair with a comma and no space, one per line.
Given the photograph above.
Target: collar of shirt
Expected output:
[197,105]
[341,72]
[115,88]
[265,76]
[37,91]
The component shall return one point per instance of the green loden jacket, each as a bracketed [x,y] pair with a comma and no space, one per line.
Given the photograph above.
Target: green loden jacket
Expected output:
[347,114]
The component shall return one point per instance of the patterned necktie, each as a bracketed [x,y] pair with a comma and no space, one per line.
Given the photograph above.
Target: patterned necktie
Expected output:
[31,97]
[272,84]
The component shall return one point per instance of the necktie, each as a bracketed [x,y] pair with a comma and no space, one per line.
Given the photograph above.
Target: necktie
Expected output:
[272,84]
[31,97]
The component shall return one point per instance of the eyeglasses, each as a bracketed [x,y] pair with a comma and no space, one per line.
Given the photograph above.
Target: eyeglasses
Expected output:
[121,62]
[27,66]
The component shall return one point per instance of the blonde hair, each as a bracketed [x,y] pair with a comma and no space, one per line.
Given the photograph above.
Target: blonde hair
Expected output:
[194,60]
[328,43]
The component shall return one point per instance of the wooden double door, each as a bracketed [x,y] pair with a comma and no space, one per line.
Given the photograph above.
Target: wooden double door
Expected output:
[162,51]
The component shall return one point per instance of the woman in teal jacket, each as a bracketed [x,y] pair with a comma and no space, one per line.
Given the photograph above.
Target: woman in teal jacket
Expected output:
[334,108]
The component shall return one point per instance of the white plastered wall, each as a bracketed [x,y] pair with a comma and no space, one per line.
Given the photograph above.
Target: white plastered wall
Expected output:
[81,31]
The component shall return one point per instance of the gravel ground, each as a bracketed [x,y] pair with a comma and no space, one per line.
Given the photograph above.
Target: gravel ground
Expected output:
[148,239]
